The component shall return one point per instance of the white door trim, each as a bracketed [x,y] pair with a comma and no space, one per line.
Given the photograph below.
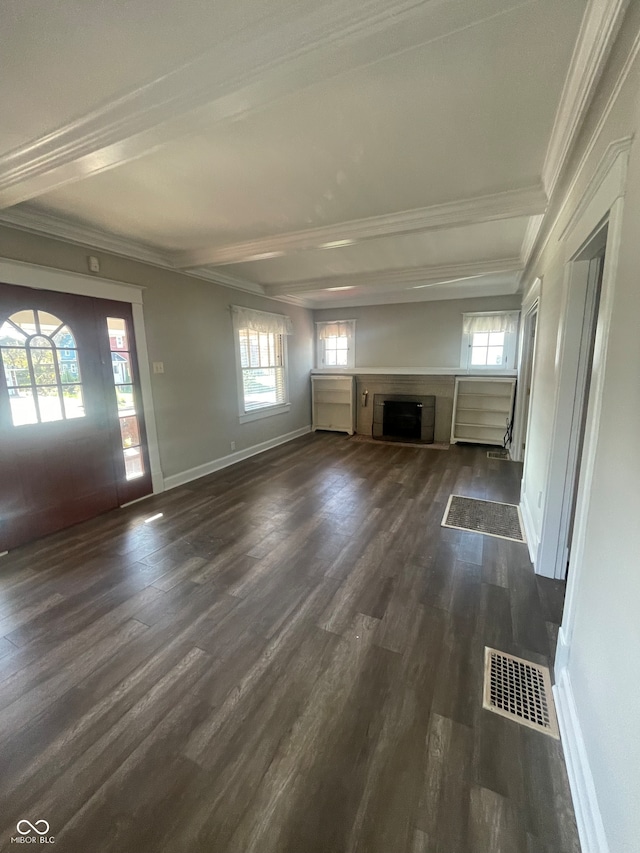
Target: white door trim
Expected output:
[573,346]
[593,417]
[603,199]
[46,278]
[530,306]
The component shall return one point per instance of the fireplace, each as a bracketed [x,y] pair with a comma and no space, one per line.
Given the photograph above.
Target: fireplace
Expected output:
[403,417]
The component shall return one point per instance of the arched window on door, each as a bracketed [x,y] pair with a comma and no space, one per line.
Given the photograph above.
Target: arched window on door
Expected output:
[41,367]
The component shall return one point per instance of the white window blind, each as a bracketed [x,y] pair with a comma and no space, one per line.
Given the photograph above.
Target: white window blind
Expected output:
[261,321]
[261,348]
[339,329]
[502,321]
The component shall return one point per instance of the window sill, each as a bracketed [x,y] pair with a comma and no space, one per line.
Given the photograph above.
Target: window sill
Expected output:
[267,412]
[493,371]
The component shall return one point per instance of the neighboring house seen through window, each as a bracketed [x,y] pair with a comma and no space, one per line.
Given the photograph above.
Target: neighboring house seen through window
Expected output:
[336,343]
[261,359]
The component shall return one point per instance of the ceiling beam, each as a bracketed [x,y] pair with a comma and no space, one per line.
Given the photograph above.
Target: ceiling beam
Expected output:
[500,284]
[522,201]
[232,80]
[399,279]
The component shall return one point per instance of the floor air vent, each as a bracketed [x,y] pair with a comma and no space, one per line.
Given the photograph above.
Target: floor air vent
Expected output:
[479,516]
[519,690]
[498,454]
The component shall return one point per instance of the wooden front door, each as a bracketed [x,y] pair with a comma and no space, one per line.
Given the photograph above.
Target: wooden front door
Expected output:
[72,439]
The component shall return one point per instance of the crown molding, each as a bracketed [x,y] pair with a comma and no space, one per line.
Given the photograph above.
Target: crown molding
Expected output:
[607,162]
[530,236]
[235,78]
[614,162]
[399,279]
[49,225]
[237,283]
[598,32]
[534,244]
[521,201]
[225,280]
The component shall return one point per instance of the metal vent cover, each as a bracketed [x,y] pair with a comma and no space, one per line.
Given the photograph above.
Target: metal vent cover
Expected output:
[519,690]
[493,518]
[498,454]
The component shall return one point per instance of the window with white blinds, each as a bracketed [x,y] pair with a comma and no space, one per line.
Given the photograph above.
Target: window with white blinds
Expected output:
[489,341]
[263,369]
[261,348]
[336,343]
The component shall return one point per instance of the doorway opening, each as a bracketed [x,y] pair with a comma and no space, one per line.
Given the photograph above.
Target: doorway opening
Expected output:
[580,322]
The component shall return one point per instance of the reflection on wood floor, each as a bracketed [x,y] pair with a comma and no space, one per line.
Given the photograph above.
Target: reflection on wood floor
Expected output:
[289,660]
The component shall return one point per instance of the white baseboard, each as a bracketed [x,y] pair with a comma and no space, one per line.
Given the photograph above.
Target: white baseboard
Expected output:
[585,802]
[530,532]
[224,461]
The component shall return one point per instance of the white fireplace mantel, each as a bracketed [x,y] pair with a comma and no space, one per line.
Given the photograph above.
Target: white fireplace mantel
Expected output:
[410,371]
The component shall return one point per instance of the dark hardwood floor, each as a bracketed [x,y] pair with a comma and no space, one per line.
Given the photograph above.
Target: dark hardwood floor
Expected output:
[289,660]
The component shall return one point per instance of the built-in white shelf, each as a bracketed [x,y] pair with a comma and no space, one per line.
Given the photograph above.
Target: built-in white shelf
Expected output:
[482,408]
[333,402]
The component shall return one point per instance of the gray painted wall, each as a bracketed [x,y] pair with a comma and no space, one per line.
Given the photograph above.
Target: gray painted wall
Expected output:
[416,335]
[188,326]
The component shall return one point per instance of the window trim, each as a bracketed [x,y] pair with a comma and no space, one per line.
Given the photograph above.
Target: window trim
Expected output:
[351,348]
[510,348]
[267,411]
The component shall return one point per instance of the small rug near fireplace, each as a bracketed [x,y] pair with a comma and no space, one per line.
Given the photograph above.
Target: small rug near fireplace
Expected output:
[367,439]
[489,517]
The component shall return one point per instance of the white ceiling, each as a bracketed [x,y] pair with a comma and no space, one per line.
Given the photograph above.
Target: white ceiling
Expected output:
[206,136]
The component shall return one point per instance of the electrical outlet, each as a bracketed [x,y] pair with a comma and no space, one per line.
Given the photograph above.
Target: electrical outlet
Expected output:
[158,366]
[233,445]
[94,263]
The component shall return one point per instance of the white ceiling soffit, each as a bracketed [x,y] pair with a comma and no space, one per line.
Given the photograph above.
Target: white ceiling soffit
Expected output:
[278,55]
